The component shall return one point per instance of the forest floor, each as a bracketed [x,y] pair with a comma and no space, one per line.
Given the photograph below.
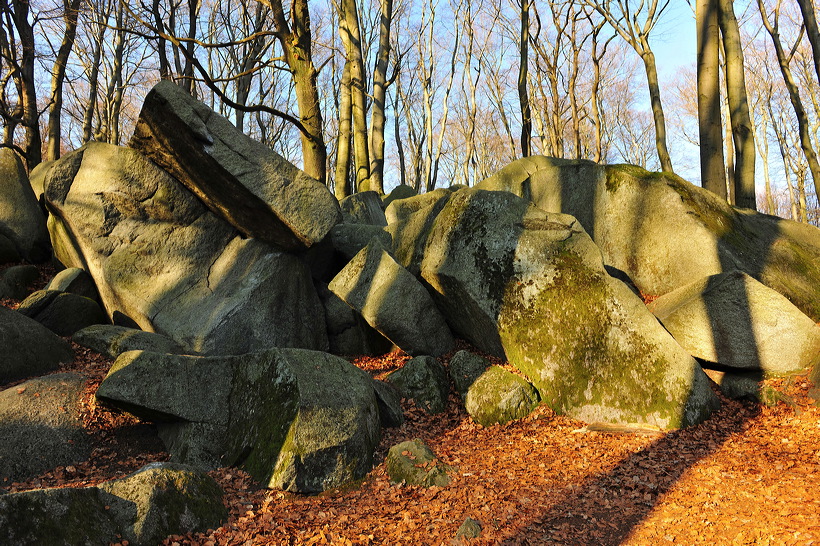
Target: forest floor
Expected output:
[748,475]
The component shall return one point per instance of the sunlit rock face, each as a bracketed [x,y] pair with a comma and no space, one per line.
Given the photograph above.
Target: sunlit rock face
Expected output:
[664,232]
[243,181]
[164,262]
[733,320]
[531,286]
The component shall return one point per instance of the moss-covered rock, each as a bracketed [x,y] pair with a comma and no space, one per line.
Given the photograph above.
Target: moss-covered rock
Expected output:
[74,280]
[424,380]
[411,230]
[735,321]
[413,463]
[157,501]
[664,232]
[531,286]
[400,209]
[499,396]
[465,367]
[402,191]
[63,313]
[298,420]
[363,208]
[393,302]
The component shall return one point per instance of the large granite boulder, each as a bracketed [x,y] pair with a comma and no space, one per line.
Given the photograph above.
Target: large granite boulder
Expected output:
[531,286]
[27,348]
[424,380]
[259,192]
[735,321]
[164,263]
[664,232]
[410,232]
[297,420]
[76,281]
[21,220]
[41,427]
[144,508]
[393,302]
[399,209]
[348,333]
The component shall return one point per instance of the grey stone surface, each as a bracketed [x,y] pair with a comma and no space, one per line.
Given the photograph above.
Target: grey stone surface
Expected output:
[27,348]
[112,341]
[499,396]
[15,280]
[348,333]
[255,189]
[363,208]
[62,312]
[413,463]
[297,420]
[41,427]
[424,380]
[21,220]
[393,302]
[735,321]
[74,280]
[163,262]
[465,367]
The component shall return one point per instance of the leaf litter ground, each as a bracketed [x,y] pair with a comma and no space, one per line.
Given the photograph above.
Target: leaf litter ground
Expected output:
[748,475]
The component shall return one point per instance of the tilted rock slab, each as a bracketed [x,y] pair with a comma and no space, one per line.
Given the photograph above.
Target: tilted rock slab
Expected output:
[21,220]
[733,320]
[664,232]
[518,282]
[159,500]
[259,192]
[297,420]
[393,302]
[164,263]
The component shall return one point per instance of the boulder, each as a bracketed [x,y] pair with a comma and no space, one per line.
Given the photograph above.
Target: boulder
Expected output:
[28,348]
[402,191]
[499,396]
[424,380]
[21,220]
[349,239]
[389,400]
[531,286]
[163,263]
[62,312]
[363,208]
[255,189]
[735,321]
[471,528]
[411,232]
[399,209]
[413,463]
[393,302]
[297,420]
[111,341]
[37,178]
[41,427]
[738,385]
[74,280]
[464,368]
[664,232]
[348,333]
[15,281]
[144,508]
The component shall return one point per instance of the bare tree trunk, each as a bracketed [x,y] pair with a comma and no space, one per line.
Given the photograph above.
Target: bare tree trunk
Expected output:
[70,16]
[810,21]
[94,72]
[742,130]
[523,95]
[342,181]
[30,118]
[350,32]
[397,136]
[380,84]
[164,65]
[712,166]
[296,43]
[113,94]
[657,110]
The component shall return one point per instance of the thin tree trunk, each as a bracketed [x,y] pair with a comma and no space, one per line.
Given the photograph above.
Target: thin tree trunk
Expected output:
[58,75]
[164,65]
[380,84]
[810,20]
[657,109]
[350,32]
[742,130]
[523,95]
[32,142]
[794,96]
[342,187]
[93,76]
[712,166]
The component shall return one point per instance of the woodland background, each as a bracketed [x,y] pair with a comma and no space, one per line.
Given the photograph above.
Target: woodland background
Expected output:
[369,94]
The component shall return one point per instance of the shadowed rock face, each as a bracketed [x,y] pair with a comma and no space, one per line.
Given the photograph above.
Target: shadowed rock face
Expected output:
[21,221]
[259,192]
[531,286]
[664,232]
[164,262]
